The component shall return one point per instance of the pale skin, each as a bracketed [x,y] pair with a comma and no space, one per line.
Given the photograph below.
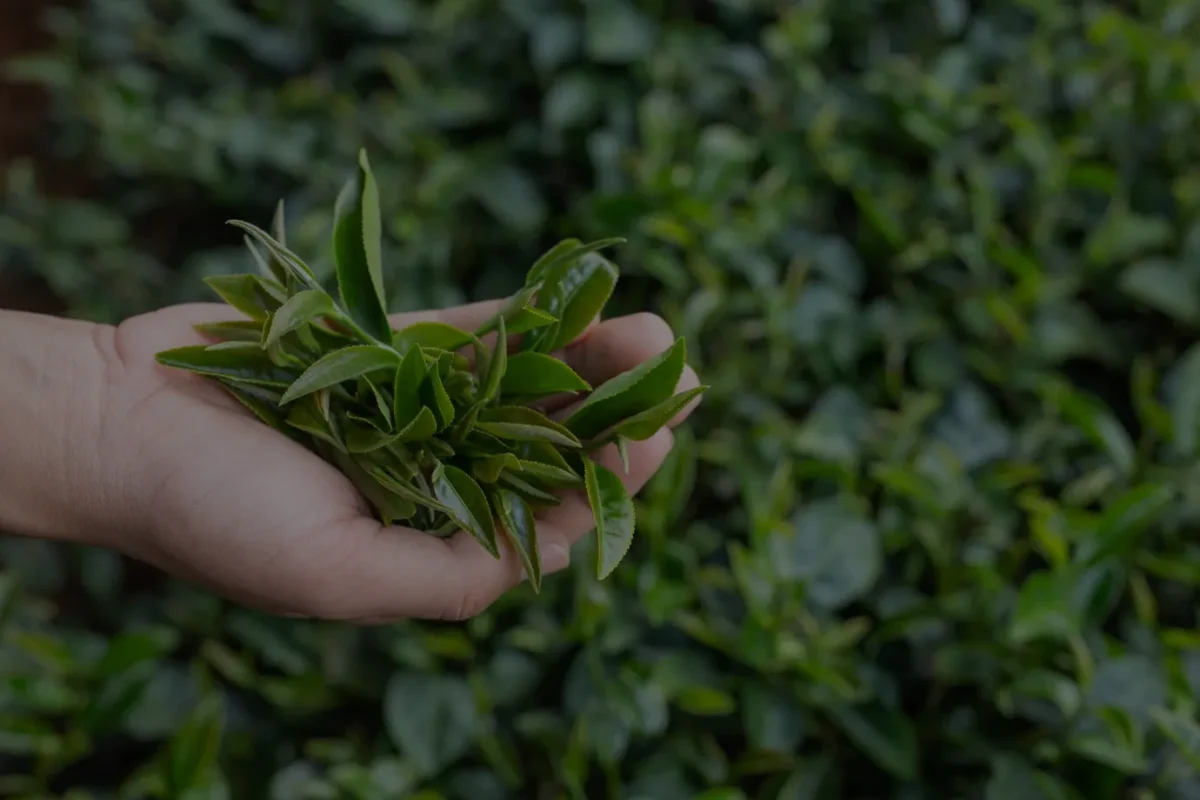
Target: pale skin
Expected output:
[100,445]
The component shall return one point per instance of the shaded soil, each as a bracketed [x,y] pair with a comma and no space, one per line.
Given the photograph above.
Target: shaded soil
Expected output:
[23,122]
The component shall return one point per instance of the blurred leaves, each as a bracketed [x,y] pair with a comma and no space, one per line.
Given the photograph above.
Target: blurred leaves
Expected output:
[930,533]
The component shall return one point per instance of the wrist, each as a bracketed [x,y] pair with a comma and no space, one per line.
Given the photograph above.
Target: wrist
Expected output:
[53,390]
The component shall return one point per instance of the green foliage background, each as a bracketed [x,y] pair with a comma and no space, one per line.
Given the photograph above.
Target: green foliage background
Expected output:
[932,533]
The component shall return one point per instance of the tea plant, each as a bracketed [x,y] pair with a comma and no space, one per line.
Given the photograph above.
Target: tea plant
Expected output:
[433,437]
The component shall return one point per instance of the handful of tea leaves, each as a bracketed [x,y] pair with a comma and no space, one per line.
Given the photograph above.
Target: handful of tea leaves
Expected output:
[433,439]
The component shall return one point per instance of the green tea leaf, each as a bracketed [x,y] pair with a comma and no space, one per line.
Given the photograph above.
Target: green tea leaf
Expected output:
[357,242]
[531,374]
[342,365]
[525,319]
[405,489]
[537,272]
[642,426]
[242,330]
[422,427]
[307,415]
[577,299]
[247,293]
[439,400]
[497,366]
[532,494]
[278,224]
[384,419]
[488,469]
[262,409]
[273,267]
[301,309]
[246,362]
[519,526]
[543,453]
[361,439]
[623,452]
[512,307]
[432,719]
[283,353]
[390,506]
[406,394]
[297,269]
[459,492]
[431,334]
[520,424]
[630,393]
[612,510]
[562,256]
[549,473]
[269,266]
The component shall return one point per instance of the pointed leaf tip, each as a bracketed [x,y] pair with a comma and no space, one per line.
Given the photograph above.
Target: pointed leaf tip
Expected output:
[613,513]
[357,251]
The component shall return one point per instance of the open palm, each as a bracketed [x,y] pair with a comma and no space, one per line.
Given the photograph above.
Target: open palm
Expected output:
[225,502]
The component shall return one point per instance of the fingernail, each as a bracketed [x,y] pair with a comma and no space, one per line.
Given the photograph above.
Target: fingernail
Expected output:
[555,557]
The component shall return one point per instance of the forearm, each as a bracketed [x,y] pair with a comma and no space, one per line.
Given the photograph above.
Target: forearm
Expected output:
[52,396]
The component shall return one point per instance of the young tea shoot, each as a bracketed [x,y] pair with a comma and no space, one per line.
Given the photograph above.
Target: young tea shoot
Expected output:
[437,428]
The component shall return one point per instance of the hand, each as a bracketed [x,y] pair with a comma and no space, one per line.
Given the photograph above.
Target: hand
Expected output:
[215,497]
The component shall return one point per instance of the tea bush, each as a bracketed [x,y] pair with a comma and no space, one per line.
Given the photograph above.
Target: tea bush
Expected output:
[931,534]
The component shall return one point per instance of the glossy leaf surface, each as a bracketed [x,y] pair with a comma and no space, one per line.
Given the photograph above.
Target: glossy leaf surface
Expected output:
[533,374]
[630,393]
[342,365]
[356,245]
[613,512]
[459,492]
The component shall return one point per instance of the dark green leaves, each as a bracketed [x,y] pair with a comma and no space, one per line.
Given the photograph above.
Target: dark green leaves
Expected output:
[297,270]
[459,492]
[407,389]
[356,247]
[246,363]
[250,294]
[517,522]
[642,426]
[575,289]
[562,256]
[612,510]
[432,719]
[519,424]
[497,365]
[631,393]
[300,309]
[436,398]
[532,374]
[342,365]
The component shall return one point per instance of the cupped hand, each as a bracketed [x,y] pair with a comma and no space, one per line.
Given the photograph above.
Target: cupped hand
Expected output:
[218,499]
